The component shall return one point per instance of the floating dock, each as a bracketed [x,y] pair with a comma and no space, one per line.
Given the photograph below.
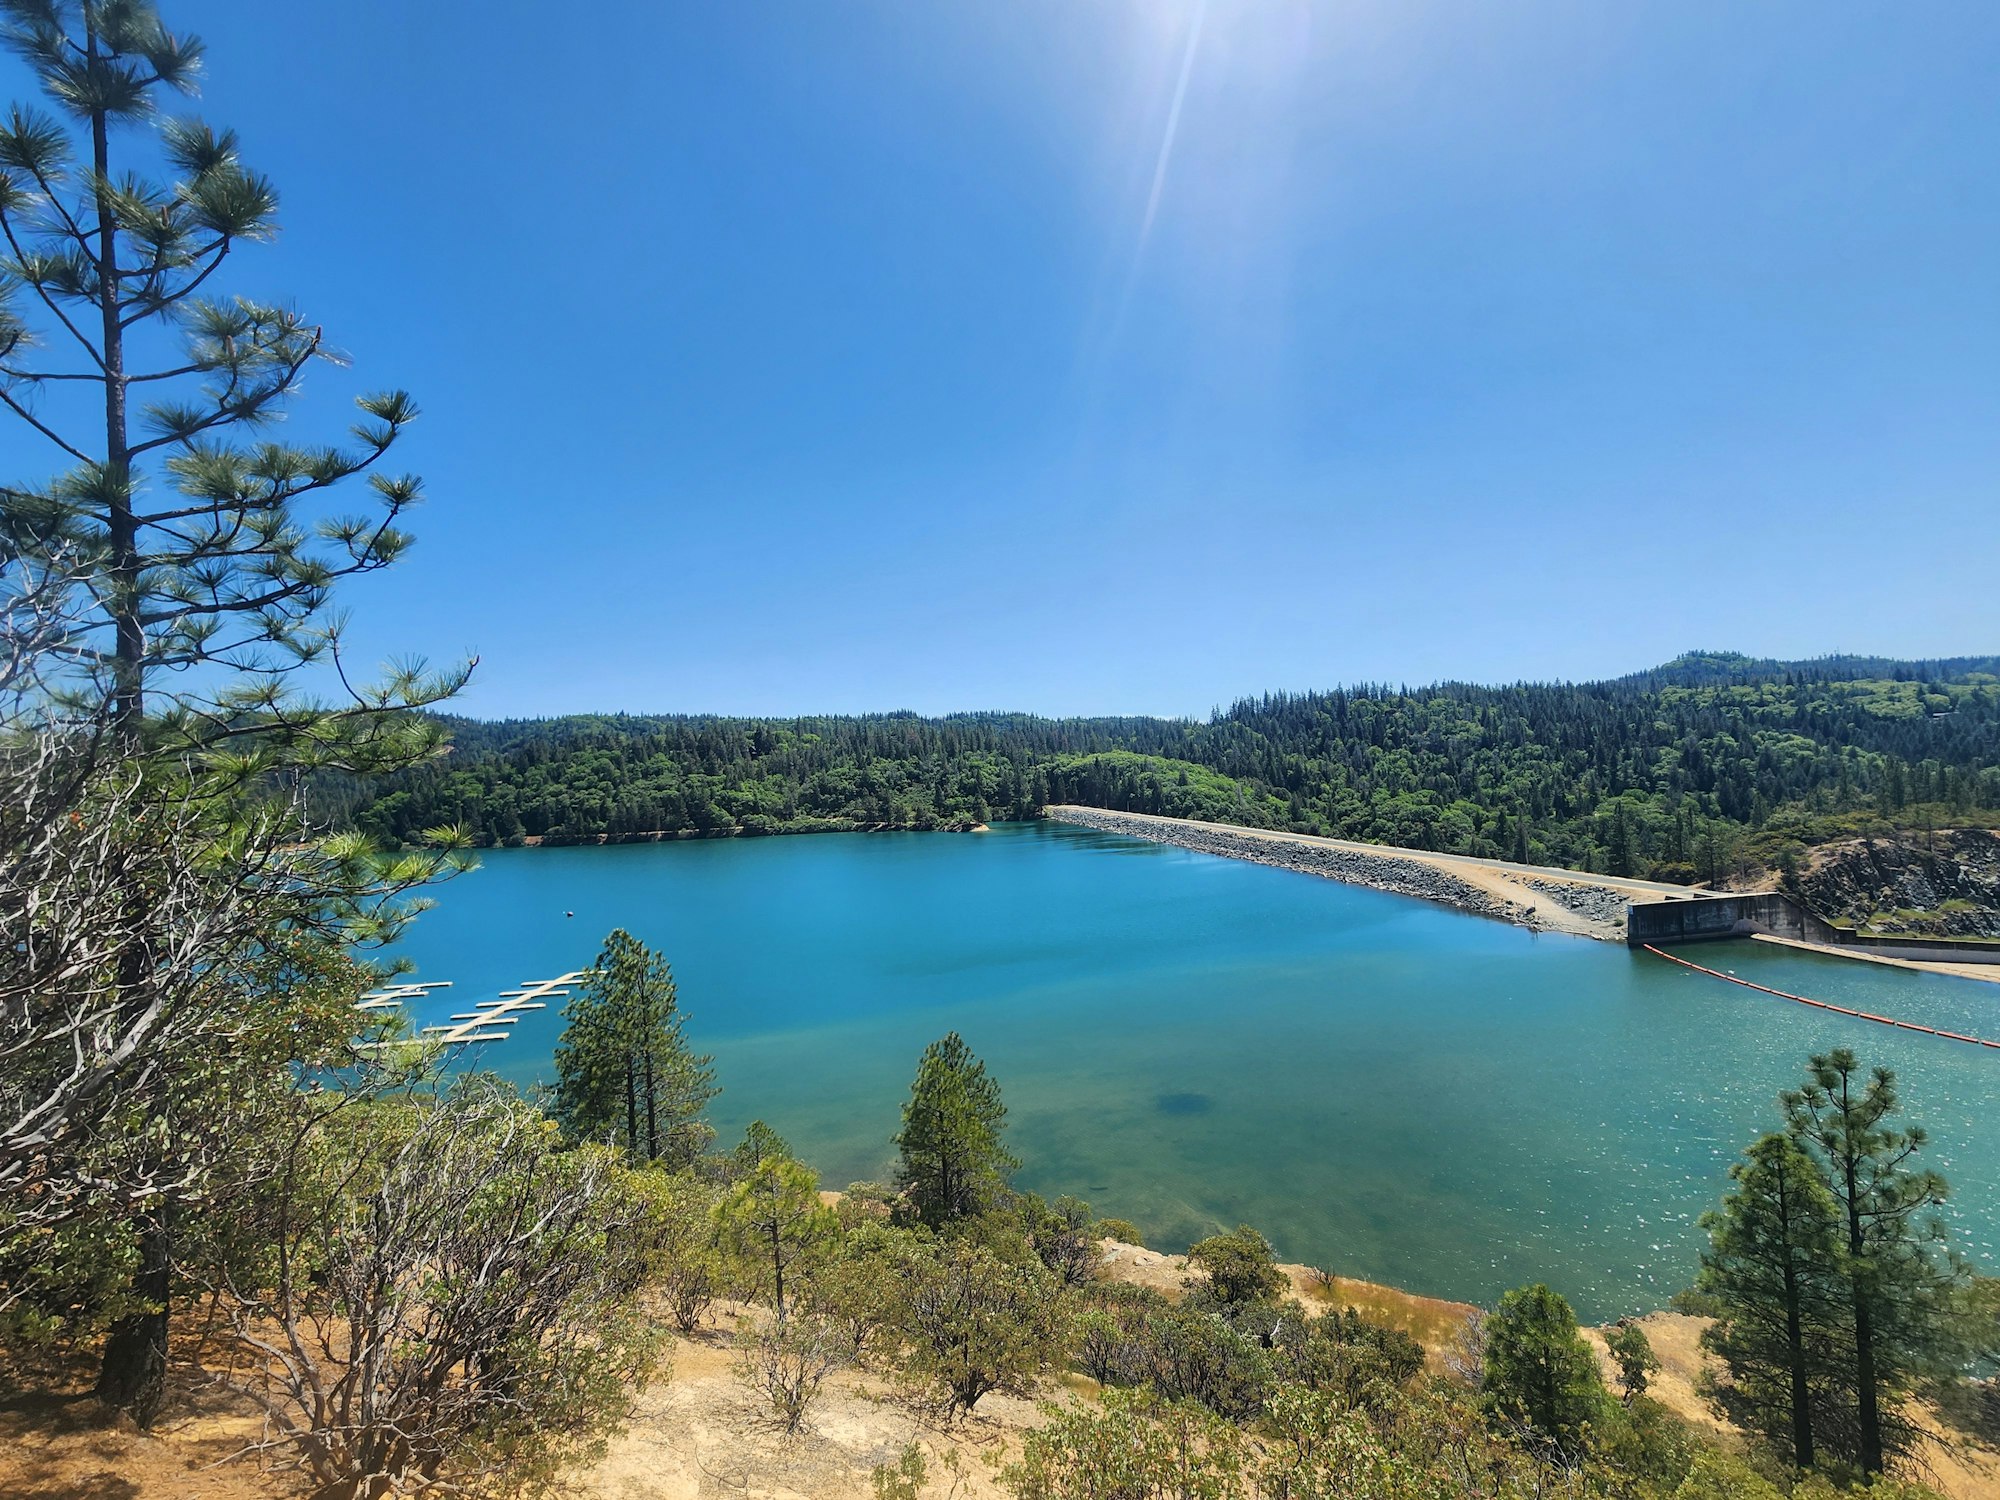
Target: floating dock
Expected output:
[394,996]
[487,1020]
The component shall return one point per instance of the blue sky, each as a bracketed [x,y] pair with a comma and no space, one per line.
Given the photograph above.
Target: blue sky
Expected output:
[1127,358]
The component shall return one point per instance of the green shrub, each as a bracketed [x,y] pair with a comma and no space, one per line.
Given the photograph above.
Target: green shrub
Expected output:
[1138,1446]
[1240,1265]
[973,1323]
[1190,1354]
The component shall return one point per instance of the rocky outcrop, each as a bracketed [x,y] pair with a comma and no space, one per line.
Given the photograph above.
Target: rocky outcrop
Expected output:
[1947,885]
[1597,903]
[1383,872]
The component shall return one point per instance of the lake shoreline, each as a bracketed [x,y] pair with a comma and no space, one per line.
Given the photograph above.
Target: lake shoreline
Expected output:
[700,835]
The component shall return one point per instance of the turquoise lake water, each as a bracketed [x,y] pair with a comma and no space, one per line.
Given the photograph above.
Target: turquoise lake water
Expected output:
[1384,1086]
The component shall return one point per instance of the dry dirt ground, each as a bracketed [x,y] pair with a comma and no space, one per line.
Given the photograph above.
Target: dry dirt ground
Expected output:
[704,1433]
[60,1447]
[701,1433]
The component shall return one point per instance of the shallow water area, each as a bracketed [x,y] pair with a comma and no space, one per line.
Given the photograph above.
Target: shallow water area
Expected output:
[1386,1087]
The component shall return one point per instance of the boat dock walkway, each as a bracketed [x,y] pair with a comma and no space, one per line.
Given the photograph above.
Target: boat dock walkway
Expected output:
[487,1020]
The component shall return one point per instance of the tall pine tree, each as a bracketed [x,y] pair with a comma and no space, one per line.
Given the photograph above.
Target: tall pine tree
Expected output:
[194,543]
[1771,1265]
[953,1163]
[624,1069]
[1898,1281]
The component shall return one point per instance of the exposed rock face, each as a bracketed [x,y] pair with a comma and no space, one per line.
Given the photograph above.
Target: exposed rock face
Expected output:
[1384,872]
[1947,886]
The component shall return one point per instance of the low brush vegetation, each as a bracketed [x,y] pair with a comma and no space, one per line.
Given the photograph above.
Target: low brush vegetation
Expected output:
[432,1287]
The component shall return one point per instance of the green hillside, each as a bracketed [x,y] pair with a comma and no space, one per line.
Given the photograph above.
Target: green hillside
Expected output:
[1680,772]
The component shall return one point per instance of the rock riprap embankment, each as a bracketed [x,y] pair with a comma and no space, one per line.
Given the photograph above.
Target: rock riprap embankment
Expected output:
[1594,902]
[1383,872]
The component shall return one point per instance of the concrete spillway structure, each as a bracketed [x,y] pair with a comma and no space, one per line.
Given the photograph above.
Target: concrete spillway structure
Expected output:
[1699,918]
[1703,917]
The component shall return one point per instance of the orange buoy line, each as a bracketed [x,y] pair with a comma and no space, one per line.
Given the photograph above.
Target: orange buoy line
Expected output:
[1862,1015]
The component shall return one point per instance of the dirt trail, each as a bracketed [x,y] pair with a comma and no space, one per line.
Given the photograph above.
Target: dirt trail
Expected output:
[704,1433]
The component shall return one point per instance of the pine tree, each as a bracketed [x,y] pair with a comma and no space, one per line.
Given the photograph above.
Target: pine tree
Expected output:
[1620,859]
[1711,849]
[1897,1279]
[1539,1373]
[187,534]
[952,1161]
[1770,1265]
[1633,1353]
[193,542]
[624,1069]
[759,1141]
[772,1221]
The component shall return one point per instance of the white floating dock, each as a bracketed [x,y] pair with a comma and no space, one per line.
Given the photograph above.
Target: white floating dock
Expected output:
[476,1025]
[390,996]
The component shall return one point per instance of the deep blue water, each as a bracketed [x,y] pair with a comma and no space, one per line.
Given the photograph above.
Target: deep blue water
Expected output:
[1384,1086]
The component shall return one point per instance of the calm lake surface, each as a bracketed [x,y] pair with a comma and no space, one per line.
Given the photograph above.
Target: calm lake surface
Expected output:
[1384,1086]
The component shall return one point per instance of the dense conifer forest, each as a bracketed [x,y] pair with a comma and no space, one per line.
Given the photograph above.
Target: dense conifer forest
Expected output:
[1711,762]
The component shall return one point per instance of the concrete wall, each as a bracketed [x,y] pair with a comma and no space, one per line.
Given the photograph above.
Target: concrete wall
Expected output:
[1695,919]
[1937,950]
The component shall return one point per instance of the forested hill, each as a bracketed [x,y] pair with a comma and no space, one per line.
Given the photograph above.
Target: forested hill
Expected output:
[1677,772]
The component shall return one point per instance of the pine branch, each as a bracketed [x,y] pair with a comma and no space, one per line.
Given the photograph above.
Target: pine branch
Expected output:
[154,305]
[42,427]
[54,199]
[41,291]
[36,377]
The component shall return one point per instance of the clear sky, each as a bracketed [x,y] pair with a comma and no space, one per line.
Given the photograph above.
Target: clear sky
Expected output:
[794,357]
